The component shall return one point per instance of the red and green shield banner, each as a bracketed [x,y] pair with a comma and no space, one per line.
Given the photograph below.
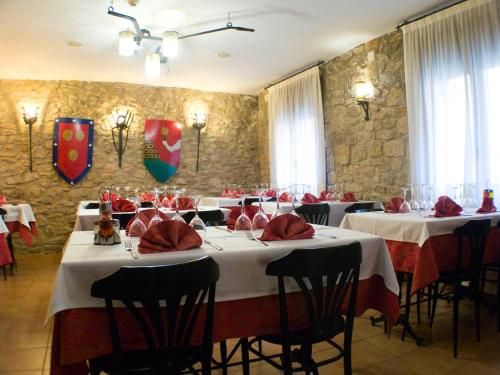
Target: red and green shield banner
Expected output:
[72,148]
[162,148]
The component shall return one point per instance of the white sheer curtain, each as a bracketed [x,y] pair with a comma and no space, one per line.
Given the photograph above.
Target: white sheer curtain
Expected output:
[296,132]
[452,66]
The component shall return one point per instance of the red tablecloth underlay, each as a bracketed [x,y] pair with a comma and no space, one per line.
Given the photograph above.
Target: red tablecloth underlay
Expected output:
[80,334]
[5,257]
[25,233]
[438,253]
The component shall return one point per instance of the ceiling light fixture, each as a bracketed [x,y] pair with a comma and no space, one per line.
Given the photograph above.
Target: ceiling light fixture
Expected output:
[130,41]
[223,55]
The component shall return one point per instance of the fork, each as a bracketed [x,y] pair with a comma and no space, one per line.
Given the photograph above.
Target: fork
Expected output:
[128,247]
[253,238]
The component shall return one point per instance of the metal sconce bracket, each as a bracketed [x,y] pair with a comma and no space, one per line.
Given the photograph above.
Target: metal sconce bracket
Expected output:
[120,124]
[199,125]
[366,108]
[29,119]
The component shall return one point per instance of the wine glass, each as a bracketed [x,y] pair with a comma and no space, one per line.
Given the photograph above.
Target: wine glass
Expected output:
[405,206]
[243,222]
[156,202]
[165,202]
[414,207]
[137,228]
[196,222]
[277,211]
[260,220]
[424,206]
[178,216]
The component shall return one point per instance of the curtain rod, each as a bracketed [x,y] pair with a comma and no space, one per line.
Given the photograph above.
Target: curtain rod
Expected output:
[290,75]
[428,13]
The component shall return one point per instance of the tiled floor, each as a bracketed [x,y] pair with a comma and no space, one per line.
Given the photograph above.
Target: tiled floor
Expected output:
[25,340]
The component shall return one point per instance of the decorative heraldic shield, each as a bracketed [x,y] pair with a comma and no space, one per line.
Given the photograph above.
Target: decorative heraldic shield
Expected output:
[72,148]
[162,148]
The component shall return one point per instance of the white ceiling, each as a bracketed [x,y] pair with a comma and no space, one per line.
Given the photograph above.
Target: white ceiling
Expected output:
[289,34]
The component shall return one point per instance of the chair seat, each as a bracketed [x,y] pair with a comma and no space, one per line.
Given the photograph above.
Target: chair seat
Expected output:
[456,276]
[300,337]
[139,361]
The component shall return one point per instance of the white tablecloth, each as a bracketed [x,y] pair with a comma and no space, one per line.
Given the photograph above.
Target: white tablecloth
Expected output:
[337,209]
[85,217]
[21,212]
[408,227]
[3,227]
[242,264]
[219,201]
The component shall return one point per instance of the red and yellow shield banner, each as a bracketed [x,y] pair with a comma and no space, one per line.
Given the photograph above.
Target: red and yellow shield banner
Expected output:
[72,148]
[162,148]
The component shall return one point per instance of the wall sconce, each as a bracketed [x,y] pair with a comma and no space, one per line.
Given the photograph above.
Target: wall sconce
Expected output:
[120,124]
[363,90]
[30,115]
[199,122]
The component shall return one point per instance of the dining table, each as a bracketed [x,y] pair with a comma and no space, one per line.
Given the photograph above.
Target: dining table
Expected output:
[246,299]
[5,256]
[85,217]
[21,219]
[337,209]
[422,245]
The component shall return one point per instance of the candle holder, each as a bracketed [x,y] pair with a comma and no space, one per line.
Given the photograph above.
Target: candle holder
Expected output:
[30,115]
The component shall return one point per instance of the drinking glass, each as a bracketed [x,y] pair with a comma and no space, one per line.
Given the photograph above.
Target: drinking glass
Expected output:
[243,222]
[118,191]
[260,220]
[127,190]
[430,197]
[156,202]
[296,196]
[178,216]
[196,222]
[424,206]
[137,228]
[277,211]
[165,202]
[405,206]
[414,207]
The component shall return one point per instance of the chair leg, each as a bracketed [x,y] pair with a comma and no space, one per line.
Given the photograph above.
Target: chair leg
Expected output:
[4,272]
[435,295]
[456,301]
[407,303]
[477,313]
[419,299]
[245,359]
[286,359]
[498,300]
[429,301]
[223,356]
[10,244]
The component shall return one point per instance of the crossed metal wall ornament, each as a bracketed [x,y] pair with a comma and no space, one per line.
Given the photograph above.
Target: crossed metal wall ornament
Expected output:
[120,125]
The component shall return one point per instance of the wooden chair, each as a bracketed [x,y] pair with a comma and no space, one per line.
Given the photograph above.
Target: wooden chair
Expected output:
[362,207]
[168,327]
[471,237]
[210,218]
[328,279]
[317,213]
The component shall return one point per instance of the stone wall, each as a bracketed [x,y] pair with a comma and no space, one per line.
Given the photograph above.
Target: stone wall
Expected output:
[370,157]
[229,148]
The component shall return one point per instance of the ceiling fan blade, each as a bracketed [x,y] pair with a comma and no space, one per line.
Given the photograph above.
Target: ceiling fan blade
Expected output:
[238,28]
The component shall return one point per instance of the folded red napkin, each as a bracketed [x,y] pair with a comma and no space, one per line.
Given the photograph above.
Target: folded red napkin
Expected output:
[349,197]
[309,198]
[486,207]
[122,205]
[3,199]
[166,201]
[147,197]
[324,196]
[270,193]
[184,203]
[445,206]
[393,205]
[169,236]
[145,216]
[112,197]
[226,193]
[285,197]
[287,227]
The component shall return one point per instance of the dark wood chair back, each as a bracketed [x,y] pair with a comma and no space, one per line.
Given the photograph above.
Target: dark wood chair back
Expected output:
[210,218]
[316,213]
[326,277]
[472,235]
[123,218]
[171,297]
[362,207]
